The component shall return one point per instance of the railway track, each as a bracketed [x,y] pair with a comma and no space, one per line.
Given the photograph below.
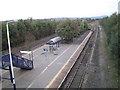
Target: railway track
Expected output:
[78,74]
[75,67]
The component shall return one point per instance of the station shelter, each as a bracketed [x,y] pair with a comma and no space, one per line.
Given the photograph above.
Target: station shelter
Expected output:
[54,42]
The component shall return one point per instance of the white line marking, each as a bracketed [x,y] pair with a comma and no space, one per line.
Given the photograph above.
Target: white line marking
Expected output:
[59,56]
[48,66]
[44,70]
[30,85]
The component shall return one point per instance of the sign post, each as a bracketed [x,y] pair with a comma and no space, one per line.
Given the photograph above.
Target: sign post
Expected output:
[28,52]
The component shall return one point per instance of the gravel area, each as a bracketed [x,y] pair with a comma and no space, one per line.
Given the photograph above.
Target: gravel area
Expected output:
[100,73]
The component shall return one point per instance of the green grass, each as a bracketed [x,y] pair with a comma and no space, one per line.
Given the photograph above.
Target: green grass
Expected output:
[111,61]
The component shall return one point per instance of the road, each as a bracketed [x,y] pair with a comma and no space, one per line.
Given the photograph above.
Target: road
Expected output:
[46,66]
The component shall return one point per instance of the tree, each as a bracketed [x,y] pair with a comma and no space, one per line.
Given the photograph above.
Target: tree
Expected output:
[110,25]
[68,29]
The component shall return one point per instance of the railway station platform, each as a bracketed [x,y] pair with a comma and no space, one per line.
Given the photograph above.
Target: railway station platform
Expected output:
[46,65]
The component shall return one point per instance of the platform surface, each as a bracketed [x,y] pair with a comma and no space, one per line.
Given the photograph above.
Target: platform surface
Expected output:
[46,66]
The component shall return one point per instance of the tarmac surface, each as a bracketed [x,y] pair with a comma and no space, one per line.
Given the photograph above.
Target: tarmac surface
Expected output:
[46,66]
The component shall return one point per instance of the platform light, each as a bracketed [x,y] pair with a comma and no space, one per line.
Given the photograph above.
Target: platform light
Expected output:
[11,64]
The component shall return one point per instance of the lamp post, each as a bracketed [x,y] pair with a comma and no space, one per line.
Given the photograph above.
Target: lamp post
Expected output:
[11,64]
[83,24]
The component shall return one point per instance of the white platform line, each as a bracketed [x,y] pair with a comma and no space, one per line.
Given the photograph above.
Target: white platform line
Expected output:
[44,70]
[49,66]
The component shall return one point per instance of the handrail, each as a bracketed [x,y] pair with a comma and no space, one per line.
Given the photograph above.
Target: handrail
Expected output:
[17,61]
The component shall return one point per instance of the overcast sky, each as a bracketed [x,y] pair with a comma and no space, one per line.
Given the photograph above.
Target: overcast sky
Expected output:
[23,9]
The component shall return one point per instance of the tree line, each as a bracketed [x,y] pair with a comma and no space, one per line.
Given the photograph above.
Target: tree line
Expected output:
[27,30]
[110,25]
[23,31]
[70,29]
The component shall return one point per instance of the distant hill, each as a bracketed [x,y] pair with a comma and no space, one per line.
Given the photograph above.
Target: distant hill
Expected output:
[63,18]
[97,17]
